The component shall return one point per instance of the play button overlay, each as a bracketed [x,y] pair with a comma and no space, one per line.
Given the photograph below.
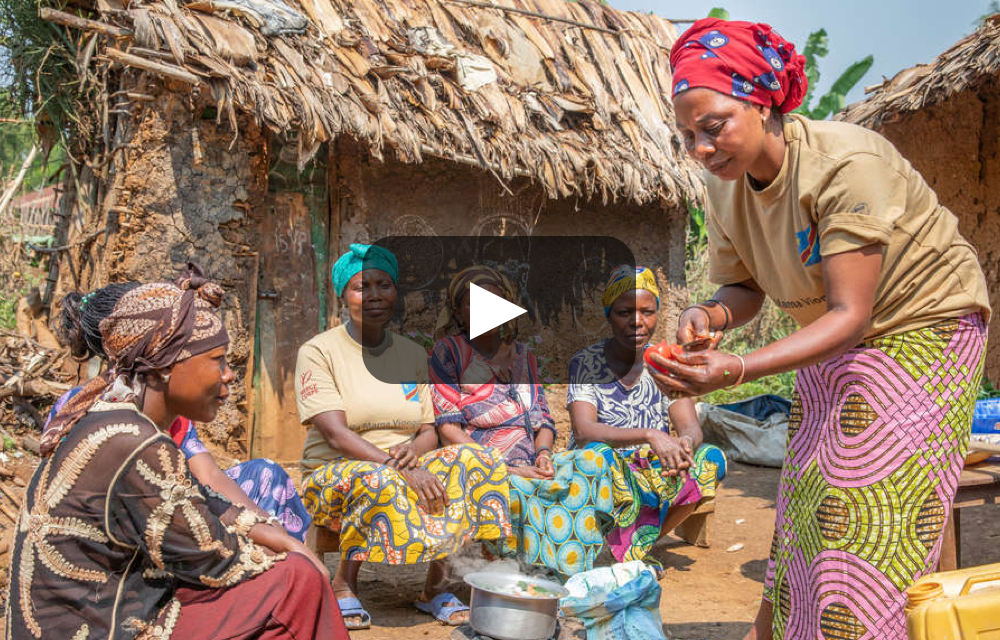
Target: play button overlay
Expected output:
[489,311]
[554,312]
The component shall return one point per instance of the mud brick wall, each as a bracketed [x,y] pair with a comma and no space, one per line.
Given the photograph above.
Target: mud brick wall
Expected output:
[190,192]
[376,199]
[956,147]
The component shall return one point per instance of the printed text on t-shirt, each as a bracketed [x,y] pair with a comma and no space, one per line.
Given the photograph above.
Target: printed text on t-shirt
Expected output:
[307,389]
[800,303]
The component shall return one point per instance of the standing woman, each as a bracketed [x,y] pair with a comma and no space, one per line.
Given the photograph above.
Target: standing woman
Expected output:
[834,225]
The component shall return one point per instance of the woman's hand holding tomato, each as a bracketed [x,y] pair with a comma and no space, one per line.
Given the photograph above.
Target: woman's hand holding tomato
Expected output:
[692,324]
[695,373]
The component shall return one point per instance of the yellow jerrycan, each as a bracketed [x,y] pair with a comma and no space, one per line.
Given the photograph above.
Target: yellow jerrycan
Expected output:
[955,605]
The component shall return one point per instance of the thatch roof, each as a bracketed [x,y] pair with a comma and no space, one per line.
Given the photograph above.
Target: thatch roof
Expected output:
[970,63]
[580,103]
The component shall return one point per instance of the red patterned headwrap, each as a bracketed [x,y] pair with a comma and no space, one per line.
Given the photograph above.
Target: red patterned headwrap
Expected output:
[746,60]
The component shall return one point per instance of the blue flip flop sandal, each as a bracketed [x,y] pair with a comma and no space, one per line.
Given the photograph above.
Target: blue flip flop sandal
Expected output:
[442,607]
[350,607]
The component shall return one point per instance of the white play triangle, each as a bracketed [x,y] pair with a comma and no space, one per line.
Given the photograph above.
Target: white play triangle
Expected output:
[489,310]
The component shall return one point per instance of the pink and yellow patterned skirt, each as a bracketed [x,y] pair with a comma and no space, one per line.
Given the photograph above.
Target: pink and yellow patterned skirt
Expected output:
[875,449]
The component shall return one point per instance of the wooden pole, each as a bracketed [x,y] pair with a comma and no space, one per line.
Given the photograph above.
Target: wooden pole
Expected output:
[169,70]
[7,512]
[66,247]
[69,20]
[10,494]
[12,189]
[534,14]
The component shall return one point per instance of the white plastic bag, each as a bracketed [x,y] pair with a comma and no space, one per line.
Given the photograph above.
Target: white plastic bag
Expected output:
[621,601]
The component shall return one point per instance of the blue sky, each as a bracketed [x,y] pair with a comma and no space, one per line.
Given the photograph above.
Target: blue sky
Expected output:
[899,33]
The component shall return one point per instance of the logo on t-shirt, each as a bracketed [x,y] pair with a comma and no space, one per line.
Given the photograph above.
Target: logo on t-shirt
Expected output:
[809,246]
[410,391]
[307,389]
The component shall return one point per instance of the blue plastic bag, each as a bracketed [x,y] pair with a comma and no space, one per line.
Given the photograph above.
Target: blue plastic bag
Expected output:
[760,407]
[616,602]
[986,418]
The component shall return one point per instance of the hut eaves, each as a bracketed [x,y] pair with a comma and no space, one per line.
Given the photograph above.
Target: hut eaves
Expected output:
[580,103]
[969,63]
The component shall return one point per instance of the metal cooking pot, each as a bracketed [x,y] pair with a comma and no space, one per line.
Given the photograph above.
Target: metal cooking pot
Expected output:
[498,615]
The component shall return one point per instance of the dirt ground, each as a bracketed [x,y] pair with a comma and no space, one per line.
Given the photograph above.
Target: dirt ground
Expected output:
[708,594]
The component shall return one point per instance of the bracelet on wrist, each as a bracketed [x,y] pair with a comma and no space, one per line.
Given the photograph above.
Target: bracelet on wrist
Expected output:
[714,302]
[743,371]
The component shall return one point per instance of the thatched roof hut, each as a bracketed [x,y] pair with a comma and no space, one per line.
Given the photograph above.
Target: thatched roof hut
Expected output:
[577,100]
[262,137]
[945,118]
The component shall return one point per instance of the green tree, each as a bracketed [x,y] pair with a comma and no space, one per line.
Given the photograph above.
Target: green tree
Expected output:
[40,89]
[992,9]
[817,46]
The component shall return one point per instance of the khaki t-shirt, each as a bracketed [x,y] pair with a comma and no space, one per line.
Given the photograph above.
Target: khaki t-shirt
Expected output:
[330,375]
[842,187]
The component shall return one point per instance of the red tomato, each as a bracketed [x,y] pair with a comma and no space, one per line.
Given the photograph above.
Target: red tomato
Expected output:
[665,350]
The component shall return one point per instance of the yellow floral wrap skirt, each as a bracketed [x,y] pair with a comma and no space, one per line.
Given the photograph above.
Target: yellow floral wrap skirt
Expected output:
[379,520]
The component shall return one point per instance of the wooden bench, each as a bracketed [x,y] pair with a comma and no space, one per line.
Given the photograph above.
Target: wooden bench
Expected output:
[697,528]
[978,485]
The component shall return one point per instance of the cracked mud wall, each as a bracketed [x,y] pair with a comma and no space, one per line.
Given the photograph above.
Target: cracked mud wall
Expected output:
[955,145]
[189,193]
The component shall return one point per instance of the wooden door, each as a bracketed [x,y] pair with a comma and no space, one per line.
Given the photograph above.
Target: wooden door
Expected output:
[290,311]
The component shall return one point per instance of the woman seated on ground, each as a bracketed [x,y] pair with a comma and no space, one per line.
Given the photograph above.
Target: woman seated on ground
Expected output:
[259,484]
[617,410]
[116,539]
[372,469]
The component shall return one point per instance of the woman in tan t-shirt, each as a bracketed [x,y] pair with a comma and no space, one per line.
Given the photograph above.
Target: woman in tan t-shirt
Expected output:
[372,470]
[831,223]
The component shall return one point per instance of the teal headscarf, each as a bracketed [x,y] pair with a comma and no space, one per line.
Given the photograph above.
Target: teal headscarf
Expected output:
[359,258]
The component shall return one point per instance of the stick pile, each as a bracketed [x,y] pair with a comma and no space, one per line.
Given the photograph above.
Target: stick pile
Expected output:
[31,382]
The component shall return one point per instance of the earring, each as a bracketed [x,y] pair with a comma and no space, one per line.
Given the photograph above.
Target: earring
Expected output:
[166,378]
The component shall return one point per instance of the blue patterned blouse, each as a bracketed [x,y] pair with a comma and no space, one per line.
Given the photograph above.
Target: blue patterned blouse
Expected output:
[641,406]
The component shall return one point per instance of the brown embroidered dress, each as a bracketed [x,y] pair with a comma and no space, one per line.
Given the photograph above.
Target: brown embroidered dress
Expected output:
[113,523]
